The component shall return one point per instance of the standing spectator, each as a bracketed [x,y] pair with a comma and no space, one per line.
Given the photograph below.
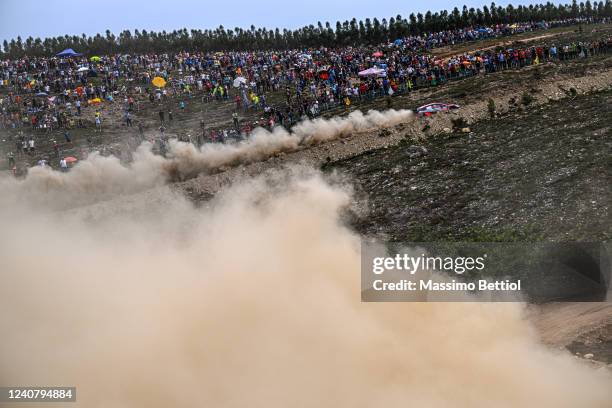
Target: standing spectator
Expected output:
[141,131]
[98,118]
[56,148]
[11,159]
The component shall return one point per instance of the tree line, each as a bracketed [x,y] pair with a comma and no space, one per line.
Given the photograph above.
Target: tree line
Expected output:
[353,32]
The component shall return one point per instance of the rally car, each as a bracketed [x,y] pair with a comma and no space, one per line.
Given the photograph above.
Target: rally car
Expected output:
[431,108]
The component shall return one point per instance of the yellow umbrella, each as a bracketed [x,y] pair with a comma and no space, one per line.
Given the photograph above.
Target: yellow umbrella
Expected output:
[159,82]
[95,58]
[95,100]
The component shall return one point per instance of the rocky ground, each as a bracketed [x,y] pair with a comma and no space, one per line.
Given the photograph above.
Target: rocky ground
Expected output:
[543,172]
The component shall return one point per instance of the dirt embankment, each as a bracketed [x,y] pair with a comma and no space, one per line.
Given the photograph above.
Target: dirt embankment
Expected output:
[585,329]
[506,89]
[543,173]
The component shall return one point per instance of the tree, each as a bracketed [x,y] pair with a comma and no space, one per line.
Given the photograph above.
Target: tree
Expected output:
[353,32]
[455,18]
[413,24]
[486,15]
[575,9]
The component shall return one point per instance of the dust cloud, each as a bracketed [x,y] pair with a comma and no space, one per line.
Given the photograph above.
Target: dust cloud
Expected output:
[252,300]
[99,177]
[186,160]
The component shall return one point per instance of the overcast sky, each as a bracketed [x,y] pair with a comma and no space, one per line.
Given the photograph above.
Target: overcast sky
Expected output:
[44,18]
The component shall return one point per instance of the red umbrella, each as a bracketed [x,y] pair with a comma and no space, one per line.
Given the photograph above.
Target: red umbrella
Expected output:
[377,54]
[71,159]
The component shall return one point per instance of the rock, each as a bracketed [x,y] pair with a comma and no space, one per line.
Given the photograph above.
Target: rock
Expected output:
[415,151]
[447,130]
[589,356]
[466,130]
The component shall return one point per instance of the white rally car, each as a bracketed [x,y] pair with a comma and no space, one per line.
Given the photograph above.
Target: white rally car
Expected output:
[431,108]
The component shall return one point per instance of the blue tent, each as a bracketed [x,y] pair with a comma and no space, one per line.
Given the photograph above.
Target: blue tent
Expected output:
[68,52]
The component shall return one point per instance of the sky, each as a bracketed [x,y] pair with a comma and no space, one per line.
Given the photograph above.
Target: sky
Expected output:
[45,18]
